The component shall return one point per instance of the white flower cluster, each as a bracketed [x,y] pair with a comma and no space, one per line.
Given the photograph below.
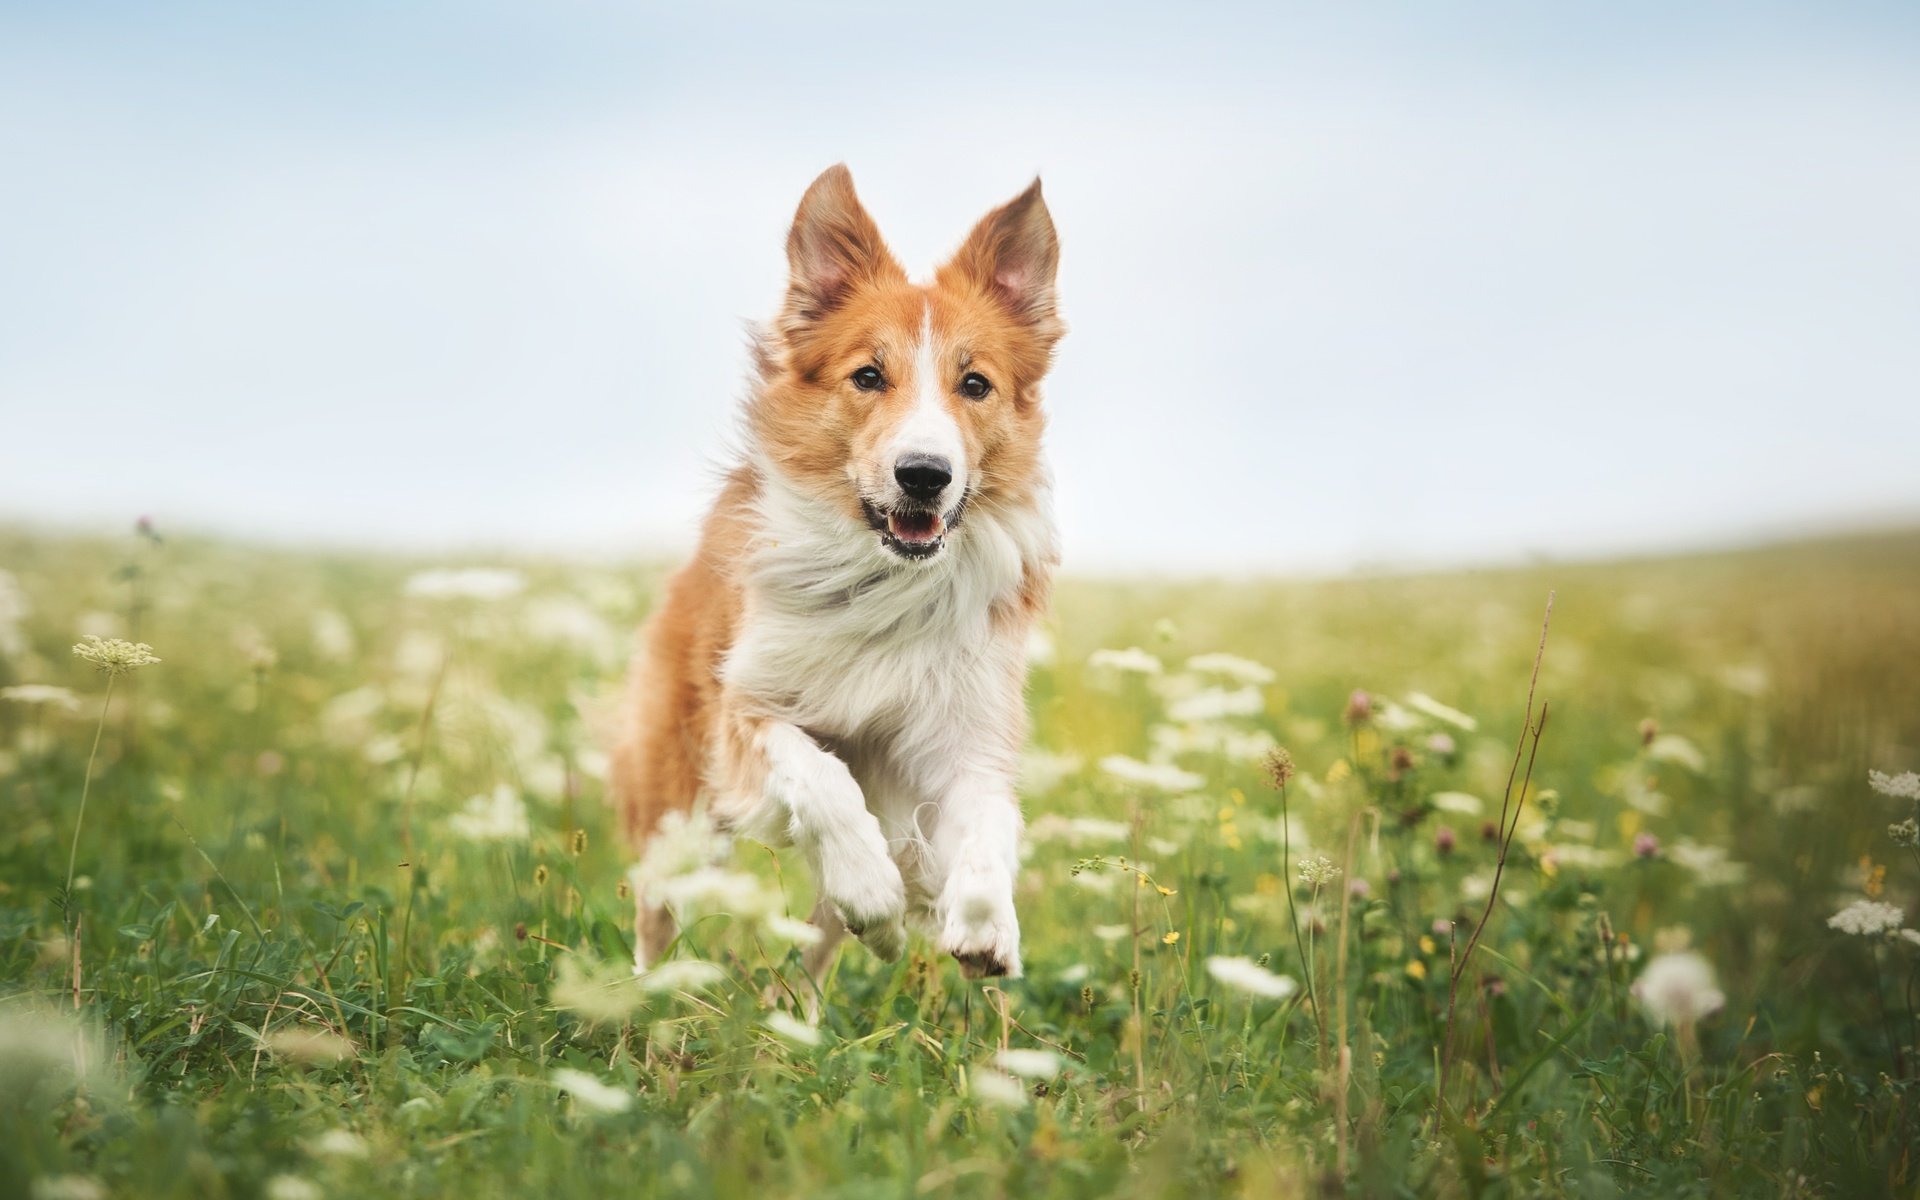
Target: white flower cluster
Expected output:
[1678,989]
[1904,786]
[1244,975]
[1867,918]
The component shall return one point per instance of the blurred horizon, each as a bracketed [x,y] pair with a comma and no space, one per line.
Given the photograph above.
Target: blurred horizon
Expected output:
[1347,289]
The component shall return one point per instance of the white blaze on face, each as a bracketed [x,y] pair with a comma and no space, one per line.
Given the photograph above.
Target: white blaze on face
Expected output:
[929,427]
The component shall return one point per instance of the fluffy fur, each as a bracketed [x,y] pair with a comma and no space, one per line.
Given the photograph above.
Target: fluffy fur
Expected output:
[841,665]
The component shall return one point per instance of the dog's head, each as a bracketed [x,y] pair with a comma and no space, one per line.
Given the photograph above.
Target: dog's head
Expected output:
[902,404]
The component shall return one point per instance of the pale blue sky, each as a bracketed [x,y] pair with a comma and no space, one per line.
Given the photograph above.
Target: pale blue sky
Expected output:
[1388,285]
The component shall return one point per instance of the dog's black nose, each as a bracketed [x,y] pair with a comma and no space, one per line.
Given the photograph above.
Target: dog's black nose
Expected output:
[922,476]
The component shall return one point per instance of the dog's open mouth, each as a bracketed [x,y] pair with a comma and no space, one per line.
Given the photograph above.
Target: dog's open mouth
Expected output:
[912,532]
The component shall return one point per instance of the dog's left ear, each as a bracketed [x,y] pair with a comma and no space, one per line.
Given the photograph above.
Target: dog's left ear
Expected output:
[1012,255]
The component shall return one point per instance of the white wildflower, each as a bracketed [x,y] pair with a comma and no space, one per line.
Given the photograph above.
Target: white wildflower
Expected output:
[590,1093]
[293,1187]
[1040,647]
[682,843]
[1212,704]
[303,1044]
[716,890]
[1158,776]
[1910,936]
[1458,802]
[1867,918]
[1110,933]
[1132,660]
[1904,786]
[1240,670]
[1709,864]
[1318,870]
[1078,831]
[995,1088]
[339,1143]
[332,635]
[565,621]
[792,1028]
[1244,975]
[42,694]
[499,817]
[602,995]
[1672,748]
[793,929]
[113,656]
[681,975]
[68,1187]
[1678,989]
[466,583]
[1424,703]
[1029,1064]
[1043,770]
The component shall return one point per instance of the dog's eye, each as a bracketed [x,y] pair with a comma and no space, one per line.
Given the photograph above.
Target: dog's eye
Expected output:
[869,379]
[974,386]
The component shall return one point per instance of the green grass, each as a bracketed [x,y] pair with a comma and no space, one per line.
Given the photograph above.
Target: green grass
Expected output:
[284,934]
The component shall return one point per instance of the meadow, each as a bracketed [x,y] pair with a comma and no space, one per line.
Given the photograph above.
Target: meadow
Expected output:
[344,914]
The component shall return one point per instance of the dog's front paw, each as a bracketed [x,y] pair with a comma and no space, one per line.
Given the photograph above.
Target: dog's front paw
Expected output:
[862,883]
[979,927]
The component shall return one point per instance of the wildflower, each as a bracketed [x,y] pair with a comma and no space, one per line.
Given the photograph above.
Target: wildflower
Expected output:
[1441,712]
[799,932]
[1649,730]
[68,1187]
[792,1028]
[1280,768]
[1340,770]
[1867,918]
[1163,777]
[293,1187]
[997,1089]
[590,1093]
[1645,845]
[1133,660]
[1359,888]
[1399,763]
[1678,989]
[1212,704]
[1416,969]
[1443,840]
[466,583]
[600,995]
[1441,745]
[1029,1064]
[540,875]
[1905,833]
[316,1047]
[1318,870]
[1457,802]
[44,694]
[578,845]
[681,975]
[1240,670]
[338,1143]
[114,656]
[1904,786]
[1044,770]
[1709,864]
[500,817]
[1244,975]
[1672,748]
[1359,708]
[1172,937]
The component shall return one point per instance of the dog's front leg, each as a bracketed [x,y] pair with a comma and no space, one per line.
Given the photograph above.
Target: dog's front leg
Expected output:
[977,844]
[797,792]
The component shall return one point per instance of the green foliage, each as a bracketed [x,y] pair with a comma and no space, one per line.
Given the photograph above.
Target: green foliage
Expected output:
[318,953]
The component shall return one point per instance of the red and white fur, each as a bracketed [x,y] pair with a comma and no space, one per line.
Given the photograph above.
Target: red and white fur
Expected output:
[841,667]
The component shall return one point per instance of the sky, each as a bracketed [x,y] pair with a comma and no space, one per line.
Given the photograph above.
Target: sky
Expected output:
[1349,286]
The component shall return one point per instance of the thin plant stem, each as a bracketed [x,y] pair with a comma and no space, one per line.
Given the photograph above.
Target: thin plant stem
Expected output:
[1293,915]
[86,786]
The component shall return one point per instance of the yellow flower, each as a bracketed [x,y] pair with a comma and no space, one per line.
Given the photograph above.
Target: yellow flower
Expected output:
[1416,969]
[1426,944]
[1166,891]
[1338,771]
[1170,939]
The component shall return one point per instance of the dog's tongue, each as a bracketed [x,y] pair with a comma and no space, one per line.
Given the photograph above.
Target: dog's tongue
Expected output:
[915,527]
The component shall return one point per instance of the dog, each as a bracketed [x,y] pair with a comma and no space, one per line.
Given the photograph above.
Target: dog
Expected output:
[841,666]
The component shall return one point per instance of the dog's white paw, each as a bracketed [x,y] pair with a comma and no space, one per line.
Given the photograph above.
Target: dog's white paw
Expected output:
[978,925]
[863,884]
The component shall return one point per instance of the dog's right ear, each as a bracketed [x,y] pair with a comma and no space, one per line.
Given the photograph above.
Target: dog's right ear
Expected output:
[834,247]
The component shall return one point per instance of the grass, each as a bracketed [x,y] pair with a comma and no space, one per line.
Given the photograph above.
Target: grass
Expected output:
[317,955]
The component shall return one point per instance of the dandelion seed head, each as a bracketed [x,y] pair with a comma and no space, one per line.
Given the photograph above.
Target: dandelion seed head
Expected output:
[114,656]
